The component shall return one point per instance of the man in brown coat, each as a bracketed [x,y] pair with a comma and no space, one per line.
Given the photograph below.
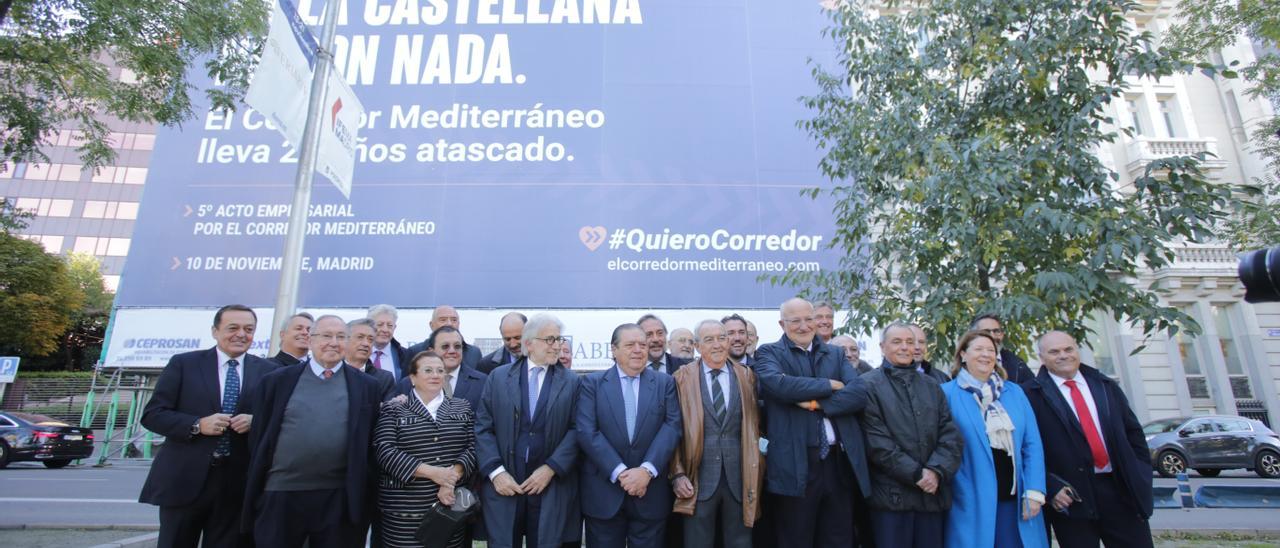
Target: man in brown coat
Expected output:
[717,468]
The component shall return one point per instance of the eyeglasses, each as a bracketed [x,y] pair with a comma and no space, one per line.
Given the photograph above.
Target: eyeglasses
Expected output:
[453,346]
[432,371]
[717,338]
[797,321]
[330,337]
[552,341]
[994,331]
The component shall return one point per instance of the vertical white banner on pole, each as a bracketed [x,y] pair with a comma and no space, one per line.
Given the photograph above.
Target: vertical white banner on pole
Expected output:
[281,86]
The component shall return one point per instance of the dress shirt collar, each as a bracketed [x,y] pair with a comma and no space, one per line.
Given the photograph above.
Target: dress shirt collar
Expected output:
[223,357]
[433,405]
[318,369]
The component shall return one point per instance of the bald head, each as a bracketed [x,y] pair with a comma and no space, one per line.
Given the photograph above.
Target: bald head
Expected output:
[1059,352]
[797,321]
[511,327]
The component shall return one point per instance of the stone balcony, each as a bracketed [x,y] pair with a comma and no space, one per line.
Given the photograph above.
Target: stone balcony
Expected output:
[1143,150]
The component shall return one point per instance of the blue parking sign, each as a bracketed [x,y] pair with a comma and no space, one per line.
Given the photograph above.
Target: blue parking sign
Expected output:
[8,368]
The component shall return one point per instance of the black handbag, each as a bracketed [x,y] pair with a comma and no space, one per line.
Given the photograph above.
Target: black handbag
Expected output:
[441,522]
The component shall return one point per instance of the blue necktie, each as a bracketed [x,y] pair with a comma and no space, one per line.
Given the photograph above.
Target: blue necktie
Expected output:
[230,395]
[534,375]
[629,404]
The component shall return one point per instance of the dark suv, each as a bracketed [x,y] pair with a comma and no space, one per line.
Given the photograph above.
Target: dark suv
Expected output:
[1211,444]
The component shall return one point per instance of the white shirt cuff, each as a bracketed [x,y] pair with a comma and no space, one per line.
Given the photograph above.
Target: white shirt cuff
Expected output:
[497,471]
[1037,496]
[653,472]
[613,478]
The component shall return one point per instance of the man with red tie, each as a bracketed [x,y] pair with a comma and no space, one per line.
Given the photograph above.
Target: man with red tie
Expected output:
[1096,455]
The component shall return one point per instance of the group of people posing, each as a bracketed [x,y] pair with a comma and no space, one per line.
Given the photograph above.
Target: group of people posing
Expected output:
[797,444]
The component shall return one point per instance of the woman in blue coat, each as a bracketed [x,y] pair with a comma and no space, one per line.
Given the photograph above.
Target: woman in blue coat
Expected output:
[999,489]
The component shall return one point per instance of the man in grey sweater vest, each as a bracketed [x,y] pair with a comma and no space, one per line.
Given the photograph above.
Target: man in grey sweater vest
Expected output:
[311,470]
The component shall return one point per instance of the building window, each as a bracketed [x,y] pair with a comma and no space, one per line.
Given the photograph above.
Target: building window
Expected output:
[1171,117]
[112,282]
[45,207]
[103,247]
[94,209]
[1100,344]
[1240,386]
[51,244]
[1137,117]
[1197,384]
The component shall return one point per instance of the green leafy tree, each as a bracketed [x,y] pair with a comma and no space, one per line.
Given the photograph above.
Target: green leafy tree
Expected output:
[961,139]
[53,75]
[38,299]
[81,345]
[1207,26]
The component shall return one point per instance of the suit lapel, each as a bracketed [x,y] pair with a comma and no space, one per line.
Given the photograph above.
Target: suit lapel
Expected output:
[645,402]
[209,374]
[512,386]
[612,387]
[252,375]
[1053,398]
[1100,401]
[552,384]
[355,400]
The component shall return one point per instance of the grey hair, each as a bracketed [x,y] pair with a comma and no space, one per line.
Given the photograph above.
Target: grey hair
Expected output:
[648,317]
[884,335]
[380,309]
[367,322]
[823,304]
[346,328]
[697,332]
[306,315]
[1040,339]
[536,324]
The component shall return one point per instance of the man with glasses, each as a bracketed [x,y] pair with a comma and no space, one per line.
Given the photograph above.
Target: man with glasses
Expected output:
[461,380]
[1014,366]
[681,344]
[753,338]
[309,479]
[447,316]
[526,445]
[511,327]
[628,425]
[817,465]
[717,468]
[655,336]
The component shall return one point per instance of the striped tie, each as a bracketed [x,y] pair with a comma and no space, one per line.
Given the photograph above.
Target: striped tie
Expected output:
[717,396]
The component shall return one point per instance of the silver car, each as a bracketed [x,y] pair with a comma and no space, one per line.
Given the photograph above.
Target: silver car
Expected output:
[1211,444]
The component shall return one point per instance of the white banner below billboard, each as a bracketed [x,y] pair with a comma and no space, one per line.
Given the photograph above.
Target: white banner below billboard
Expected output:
[145,338]
[281,87]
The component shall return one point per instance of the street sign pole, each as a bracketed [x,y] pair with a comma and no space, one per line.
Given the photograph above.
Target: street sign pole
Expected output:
[291,268]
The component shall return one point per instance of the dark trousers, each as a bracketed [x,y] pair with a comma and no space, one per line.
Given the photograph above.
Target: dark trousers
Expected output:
[215,515]
[820,518]
[720,511]
[1118,522]
[287,519]
[908,529]
[528,507]
[626,529]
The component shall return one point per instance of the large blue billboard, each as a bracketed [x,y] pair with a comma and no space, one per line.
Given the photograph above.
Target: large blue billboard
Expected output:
[553,153]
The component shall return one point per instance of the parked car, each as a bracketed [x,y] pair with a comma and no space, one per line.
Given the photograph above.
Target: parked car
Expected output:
[1211,444]
[25,437]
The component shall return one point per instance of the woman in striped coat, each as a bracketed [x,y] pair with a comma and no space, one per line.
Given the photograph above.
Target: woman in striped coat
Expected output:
[426,447]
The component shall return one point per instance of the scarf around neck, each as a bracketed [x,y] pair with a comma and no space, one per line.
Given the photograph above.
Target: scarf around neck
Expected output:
[999,426]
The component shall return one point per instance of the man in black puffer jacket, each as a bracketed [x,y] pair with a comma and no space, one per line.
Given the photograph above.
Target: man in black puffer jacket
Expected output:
[912,445]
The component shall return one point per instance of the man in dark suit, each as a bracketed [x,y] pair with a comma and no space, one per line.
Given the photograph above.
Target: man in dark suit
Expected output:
[1014,366]
[312,446]
[461,380]
[628,427]
[655,336]
[511,327]
[202,405]
[817,462]
[359,347]
[447,316]
[526,445]
[387,352]
[294,339]
[1099,467]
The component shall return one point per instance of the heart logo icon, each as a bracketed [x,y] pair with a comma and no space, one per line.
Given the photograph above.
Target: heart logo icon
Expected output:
[591,236]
